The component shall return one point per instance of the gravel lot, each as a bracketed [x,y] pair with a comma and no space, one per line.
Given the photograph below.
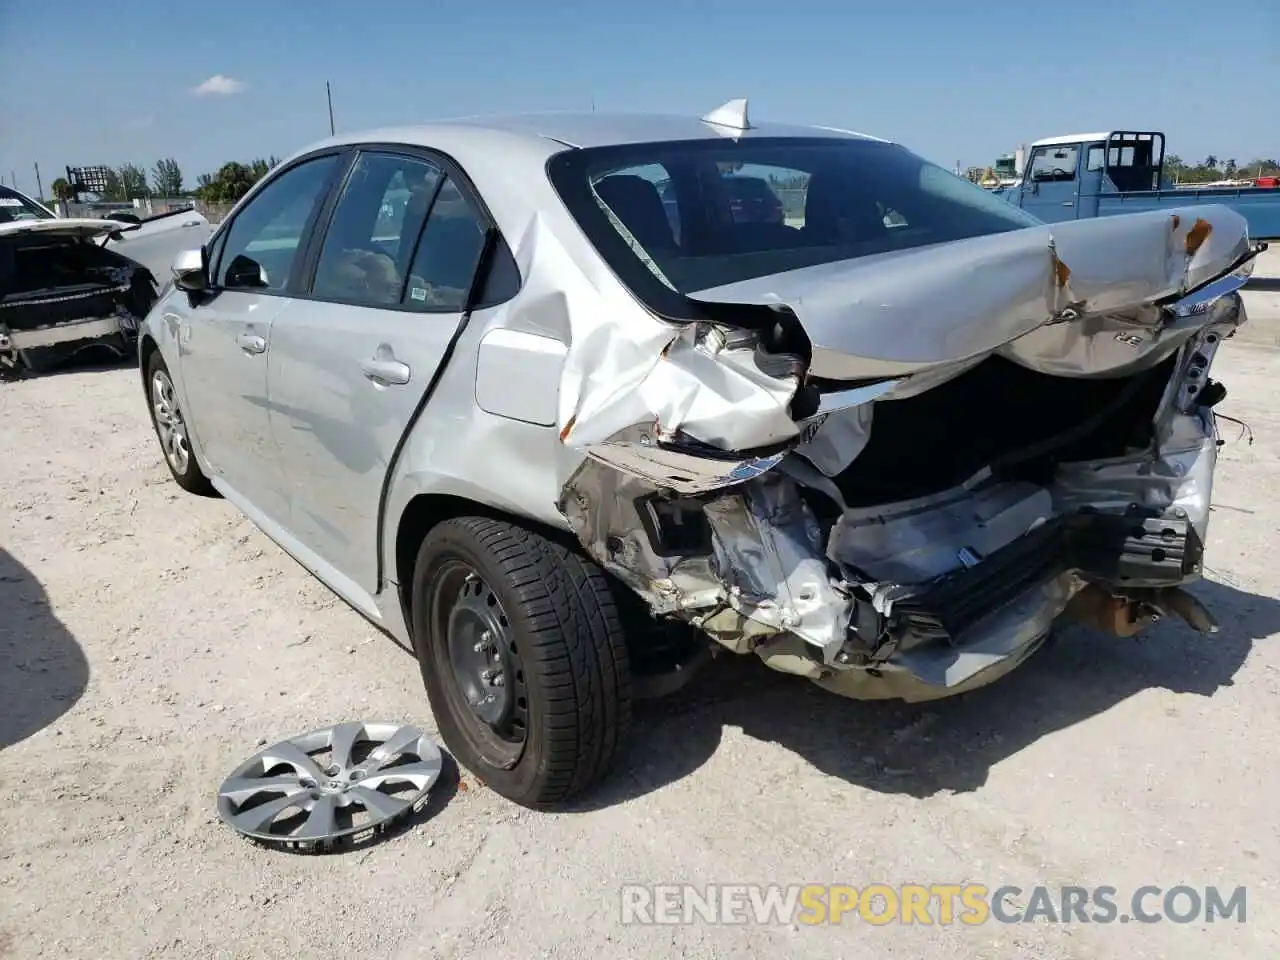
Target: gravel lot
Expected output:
[149,641]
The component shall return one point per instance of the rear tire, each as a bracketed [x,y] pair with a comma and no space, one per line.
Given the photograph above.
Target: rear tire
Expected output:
[171,429]
[523,657]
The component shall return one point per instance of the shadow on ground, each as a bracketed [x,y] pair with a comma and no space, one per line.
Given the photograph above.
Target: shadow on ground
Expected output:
[43,671]
[919,750]
[94,359]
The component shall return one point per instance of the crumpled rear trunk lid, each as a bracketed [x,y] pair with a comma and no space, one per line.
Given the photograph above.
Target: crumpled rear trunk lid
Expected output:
[899,313]
[1106,297]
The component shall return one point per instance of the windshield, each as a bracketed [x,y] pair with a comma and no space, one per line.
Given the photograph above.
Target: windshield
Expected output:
[674,210]
[14,206]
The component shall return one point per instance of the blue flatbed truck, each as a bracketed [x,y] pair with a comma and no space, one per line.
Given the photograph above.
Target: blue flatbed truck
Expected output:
[1078,176]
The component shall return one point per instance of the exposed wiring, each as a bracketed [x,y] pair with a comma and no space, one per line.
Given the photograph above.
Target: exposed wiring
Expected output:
[1245,429]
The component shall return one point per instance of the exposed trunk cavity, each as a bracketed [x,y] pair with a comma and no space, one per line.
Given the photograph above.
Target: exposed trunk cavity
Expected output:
[61,293]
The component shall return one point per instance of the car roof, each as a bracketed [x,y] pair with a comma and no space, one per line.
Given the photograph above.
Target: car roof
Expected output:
[553,132]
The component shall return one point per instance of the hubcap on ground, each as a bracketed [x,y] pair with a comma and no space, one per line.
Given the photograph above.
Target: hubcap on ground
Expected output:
[169,423]
[374,774]
[483,654]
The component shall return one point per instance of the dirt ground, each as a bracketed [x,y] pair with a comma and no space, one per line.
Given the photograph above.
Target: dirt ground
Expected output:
[150,641]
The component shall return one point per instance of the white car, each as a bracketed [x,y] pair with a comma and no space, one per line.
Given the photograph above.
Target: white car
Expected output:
[555,449]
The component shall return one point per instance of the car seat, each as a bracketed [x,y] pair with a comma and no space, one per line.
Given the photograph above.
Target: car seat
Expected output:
[635,201]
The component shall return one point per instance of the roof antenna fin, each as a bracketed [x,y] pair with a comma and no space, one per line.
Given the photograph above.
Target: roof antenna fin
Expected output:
[732,115]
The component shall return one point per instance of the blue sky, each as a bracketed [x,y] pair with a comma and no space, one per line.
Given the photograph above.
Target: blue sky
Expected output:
[955,81]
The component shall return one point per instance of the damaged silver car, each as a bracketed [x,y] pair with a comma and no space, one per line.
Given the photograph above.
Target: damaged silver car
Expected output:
[528,395]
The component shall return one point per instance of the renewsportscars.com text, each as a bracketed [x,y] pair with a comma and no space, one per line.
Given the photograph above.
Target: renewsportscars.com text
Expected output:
[970,904]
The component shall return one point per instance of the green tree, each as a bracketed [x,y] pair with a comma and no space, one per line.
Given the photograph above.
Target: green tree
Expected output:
[61,189]
[232,181]
[133,181]
[1260,167]
[166,178]
[114,191]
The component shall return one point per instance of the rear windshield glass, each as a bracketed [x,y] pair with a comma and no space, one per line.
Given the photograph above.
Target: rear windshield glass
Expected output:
[700,214]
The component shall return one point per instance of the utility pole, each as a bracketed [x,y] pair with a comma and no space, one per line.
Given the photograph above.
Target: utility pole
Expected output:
[39,185]
[329,96]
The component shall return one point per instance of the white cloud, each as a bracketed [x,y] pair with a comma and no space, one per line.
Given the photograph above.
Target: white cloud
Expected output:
[221,86]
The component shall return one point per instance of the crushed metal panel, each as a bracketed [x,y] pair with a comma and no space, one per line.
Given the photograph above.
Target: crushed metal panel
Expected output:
[903,312]
[674,469]
[917,540]
[769,546]
[696,383]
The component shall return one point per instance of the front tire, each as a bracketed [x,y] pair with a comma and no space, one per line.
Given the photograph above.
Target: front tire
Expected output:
[523,657]
[171,429]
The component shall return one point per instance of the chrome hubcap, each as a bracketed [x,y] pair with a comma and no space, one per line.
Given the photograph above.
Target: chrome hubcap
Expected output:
[374,773]
[169,423]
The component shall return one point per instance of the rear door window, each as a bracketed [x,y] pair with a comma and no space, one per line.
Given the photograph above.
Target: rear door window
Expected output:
[448,252]
[370,240]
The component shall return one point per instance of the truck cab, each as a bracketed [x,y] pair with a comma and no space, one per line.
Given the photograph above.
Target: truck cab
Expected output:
[1083,175]
[1067,177]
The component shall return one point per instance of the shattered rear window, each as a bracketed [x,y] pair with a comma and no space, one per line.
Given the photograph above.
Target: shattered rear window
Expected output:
[675,210]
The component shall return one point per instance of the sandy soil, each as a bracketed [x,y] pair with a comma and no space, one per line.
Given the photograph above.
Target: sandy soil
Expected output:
[149,641]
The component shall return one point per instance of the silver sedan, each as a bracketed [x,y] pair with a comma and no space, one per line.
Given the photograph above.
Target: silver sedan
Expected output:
[530,395]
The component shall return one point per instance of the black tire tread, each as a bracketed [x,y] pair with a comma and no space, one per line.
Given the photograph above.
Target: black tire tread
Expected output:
[574,642]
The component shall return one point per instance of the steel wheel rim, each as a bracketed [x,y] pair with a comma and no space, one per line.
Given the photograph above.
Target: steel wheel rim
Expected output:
[169,423]
[482,658]
[338,800]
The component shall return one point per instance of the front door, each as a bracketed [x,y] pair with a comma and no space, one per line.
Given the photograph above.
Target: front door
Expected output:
[351,361]
[1050,184]
[227,333]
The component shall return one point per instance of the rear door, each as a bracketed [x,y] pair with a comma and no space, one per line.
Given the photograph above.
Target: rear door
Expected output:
[353,358]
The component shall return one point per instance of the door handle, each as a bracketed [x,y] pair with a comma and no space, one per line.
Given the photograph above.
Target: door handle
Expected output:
[1068,203]
[251,342]
[385,368]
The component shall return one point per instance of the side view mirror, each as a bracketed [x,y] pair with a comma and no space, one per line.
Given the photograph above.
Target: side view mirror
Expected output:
[189,271]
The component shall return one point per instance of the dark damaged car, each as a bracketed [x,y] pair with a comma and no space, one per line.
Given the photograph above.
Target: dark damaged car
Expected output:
[66,286]
[540,436]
